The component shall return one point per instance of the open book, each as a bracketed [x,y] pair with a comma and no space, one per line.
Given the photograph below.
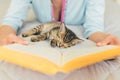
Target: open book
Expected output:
[52,60]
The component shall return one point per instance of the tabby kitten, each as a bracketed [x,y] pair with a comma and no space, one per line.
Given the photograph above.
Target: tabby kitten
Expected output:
[57,32]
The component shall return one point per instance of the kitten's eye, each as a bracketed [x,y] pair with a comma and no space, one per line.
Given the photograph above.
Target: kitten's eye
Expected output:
[68,37]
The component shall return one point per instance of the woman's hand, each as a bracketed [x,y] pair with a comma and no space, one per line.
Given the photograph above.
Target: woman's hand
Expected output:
[8,36]
[102,39]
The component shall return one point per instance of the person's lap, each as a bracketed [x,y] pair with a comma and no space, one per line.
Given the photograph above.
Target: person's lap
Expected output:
[98,71]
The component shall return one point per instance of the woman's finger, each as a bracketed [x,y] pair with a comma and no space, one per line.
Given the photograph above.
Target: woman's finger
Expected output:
[16,39]
[109,40]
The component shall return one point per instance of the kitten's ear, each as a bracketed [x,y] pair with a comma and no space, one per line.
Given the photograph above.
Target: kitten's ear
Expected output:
[62,28]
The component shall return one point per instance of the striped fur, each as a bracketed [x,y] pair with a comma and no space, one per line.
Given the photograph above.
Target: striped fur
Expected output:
[57,32]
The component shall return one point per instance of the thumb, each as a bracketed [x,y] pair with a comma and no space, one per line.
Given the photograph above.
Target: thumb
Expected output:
[21,41]
[104,42]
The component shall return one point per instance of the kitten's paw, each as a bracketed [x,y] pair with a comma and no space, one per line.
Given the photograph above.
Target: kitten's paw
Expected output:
[63,45]
[35,39]
[25,35]
[53,43]
[66,46]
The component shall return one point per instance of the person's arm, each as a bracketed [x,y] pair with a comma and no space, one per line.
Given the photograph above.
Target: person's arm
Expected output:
[12,21]
[104,39]
[16,13]
[94,17]
[94,24]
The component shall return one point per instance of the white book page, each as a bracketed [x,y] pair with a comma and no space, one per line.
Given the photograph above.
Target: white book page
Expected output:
[49,53]
[79,52]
